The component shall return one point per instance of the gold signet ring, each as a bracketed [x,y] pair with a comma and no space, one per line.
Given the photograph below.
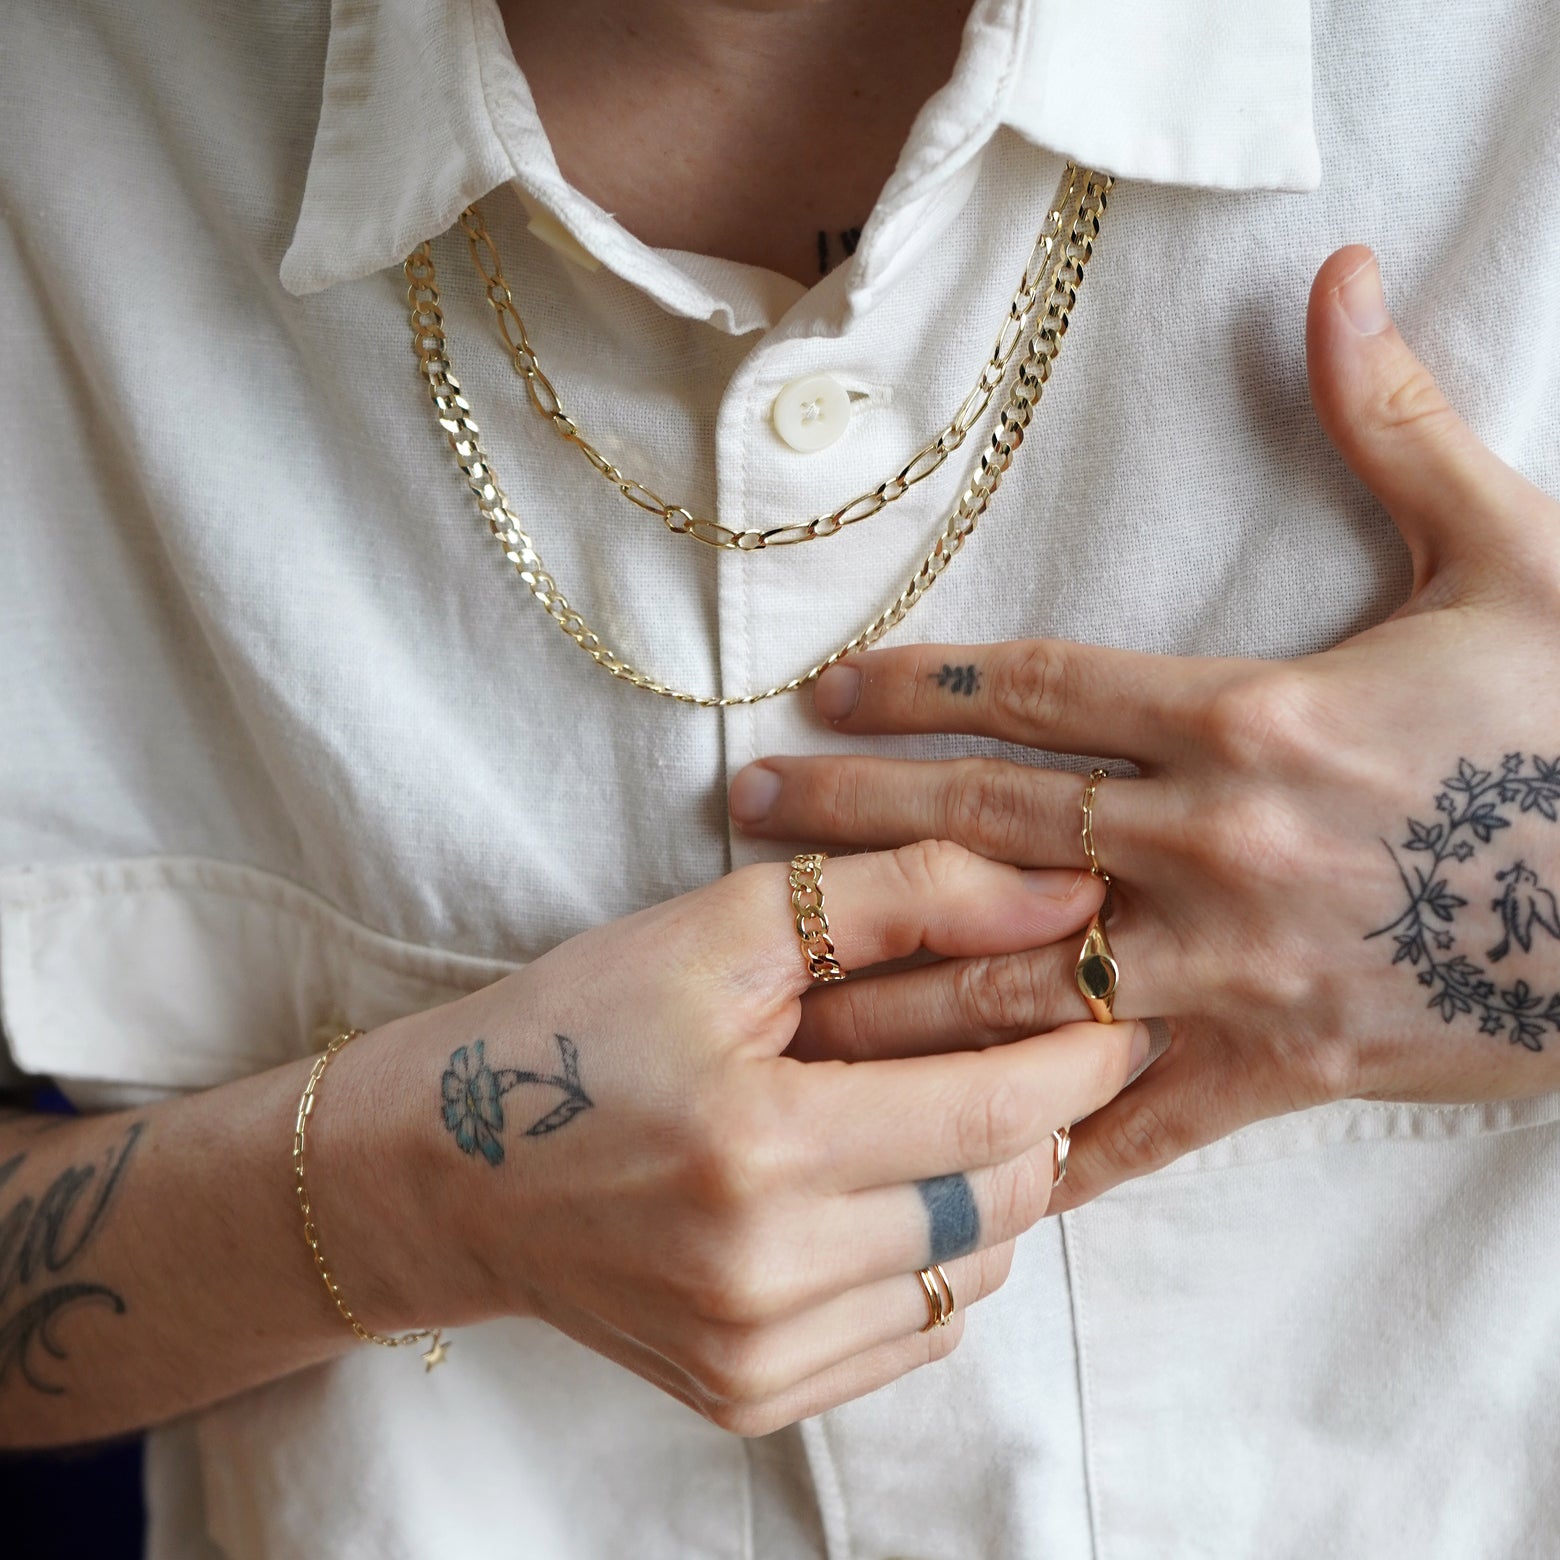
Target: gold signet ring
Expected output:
[1097,974]
[1096,971]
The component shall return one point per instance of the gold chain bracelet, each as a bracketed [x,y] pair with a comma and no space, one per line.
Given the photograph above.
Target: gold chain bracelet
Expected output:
[548,404]
[437,1350]
[1044,341]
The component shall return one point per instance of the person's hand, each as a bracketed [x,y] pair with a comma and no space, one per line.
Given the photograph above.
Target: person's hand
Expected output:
[1335,877]
[612,1139]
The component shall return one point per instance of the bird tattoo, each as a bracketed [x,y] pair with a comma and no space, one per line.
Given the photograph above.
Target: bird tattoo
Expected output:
[1524,903]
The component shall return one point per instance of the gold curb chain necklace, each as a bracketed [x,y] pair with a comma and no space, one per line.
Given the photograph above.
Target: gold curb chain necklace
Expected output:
[1037,320]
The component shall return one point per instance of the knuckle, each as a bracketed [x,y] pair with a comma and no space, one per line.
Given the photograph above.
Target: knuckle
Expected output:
[994,1126]
[997,994]
[1022,1194]
[928,867]
[750,1420]
[1414,400]
[838,796]
[733,1286]
[996,1264]
[1260,721]
[1258,840]
[732,1368]
[1274,975]
[940,1342]
[1136,1135]
[734,1150]
[984,807]
[1030,679]
[1322,1071]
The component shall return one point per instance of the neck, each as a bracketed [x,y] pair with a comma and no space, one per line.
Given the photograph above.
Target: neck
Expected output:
[760,132]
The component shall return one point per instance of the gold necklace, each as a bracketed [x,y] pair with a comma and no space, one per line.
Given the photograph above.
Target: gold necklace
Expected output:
[547,403]
[1079,212]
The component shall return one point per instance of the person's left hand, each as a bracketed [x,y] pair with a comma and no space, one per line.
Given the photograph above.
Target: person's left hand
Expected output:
[1335,876]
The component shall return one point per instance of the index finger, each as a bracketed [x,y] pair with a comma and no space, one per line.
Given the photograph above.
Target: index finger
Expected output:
[933,896]
[1043,693]
[922,1117]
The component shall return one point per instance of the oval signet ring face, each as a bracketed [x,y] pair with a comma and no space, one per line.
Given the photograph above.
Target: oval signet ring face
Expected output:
[1097,976]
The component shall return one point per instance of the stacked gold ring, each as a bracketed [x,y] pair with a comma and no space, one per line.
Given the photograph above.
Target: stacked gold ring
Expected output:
[812,925]
[940,1304]
[1096,972]
[1061,1146]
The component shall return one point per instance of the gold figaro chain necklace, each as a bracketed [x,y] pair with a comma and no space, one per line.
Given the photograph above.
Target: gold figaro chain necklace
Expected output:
[1064,249]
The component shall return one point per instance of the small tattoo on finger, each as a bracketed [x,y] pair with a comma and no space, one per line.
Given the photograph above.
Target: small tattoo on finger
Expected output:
[952,1218]
[957,679]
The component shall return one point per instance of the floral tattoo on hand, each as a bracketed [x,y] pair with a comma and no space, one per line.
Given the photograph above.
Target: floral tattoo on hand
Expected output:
[473,1095]
[1475,806]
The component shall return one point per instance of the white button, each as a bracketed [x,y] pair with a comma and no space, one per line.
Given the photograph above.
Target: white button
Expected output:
[811,413]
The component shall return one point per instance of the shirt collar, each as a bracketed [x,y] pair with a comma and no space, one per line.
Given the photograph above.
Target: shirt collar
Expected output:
[424,110]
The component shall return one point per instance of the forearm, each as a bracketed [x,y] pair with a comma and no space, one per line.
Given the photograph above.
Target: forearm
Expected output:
[152,1261]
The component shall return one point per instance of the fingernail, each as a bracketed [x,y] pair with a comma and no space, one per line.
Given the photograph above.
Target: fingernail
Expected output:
[1142,1044]
[1054,884]
[1360,295]
[839,690]
[753,794]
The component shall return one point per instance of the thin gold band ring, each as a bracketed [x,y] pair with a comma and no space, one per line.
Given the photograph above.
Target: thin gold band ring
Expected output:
[940,1304]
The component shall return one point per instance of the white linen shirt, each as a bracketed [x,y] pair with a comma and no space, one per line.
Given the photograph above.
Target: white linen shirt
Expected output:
[283,740]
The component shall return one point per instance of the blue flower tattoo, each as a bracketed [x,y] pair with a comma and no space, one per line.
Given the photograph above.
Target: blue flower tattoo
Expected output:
[473,1097]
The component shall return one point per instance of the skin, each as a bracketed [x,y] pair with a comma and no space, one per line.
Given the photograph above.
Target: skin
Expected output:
[1267,835]
[744,130]
[612,1139]
[672,1147]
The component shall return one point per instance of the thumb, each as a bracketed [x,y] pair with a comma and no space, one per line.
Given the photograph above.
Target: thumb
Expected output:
[1387,417]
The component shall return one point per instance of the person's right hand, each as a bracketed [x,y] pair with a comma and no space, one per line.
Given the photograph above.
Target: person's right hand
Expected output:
[614,1140]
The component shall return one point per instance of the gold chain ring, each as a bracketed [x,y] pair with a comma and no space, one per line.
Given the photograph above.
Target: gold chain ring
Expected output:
[812,925]
[548,404]
[1041,348]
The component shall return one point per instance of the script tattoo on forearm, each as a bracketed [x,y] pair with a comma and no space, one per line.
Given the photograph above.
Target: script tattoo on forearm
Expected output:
[41,1240]
[1475,806]
[473,1097]
[957,679]
[953,1221]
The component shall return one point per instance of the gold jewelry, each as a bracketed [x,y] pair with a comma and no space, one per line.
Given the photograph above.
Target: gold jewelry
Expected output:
[438,1348]
[812,925]
[940,1304]
[1043,343]
[1061,1146]
[1096,972]
[1089,790]
[548,405]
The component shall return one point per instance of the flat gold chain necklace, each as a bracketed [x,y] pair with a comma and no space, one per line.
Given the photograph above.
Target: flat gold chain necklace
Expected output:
[1078,212]
[547,403]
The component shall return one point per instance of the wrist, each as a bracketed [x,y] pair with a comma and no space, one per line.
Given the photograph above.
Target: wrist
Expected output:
[379,1188]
